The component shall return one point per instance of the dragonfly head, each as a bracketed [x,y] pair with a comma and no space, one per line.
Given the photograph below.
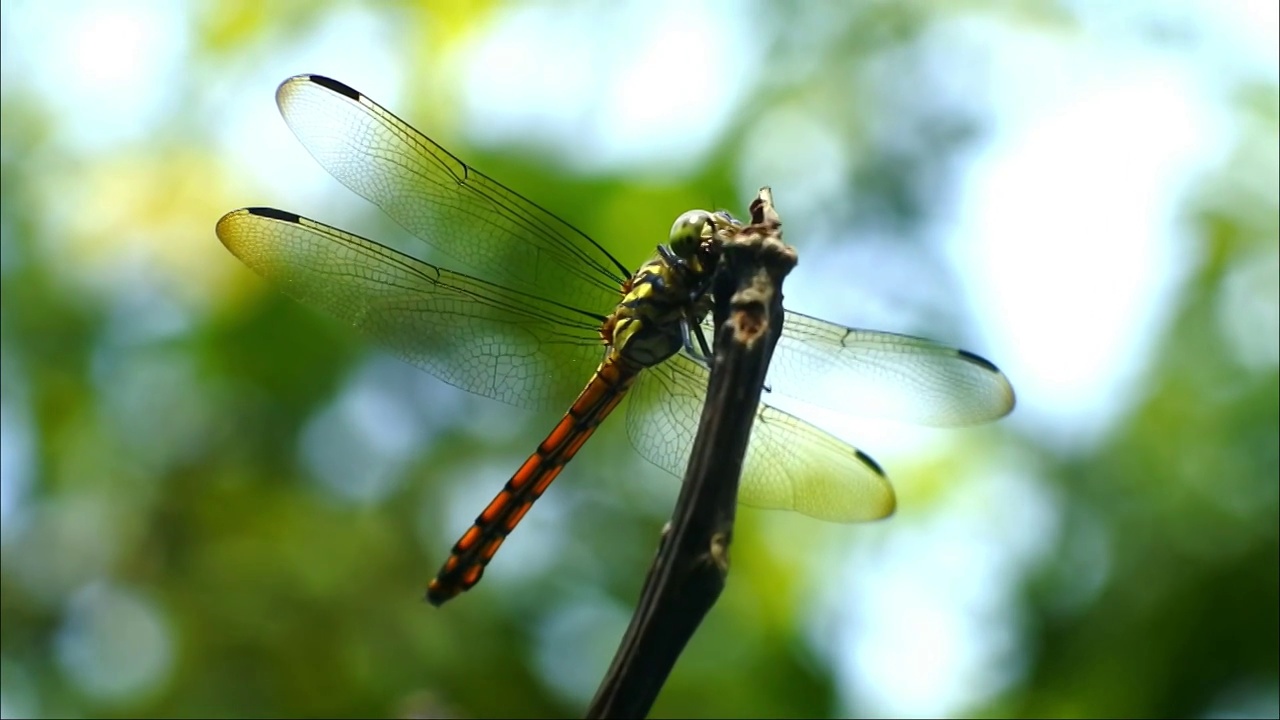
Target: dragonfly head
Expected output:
[693,236]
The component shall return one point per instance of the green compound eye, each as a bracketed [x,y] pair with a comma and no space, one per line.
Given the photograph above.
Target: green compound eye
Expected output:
[687,232]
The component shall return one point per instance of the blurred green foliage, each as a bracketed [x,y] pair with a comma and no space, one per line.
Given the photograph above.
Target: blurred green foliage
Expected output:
[161,411]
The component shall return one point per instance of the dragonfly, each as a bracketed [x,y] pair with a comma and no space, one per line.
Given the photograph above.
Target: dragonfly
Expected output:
[534,306]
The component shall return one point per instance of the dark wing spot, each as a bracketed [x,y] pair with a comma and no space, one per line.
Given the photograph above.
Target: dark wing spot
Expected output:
[274,214]
[335,86]
[977,360]
[869,462]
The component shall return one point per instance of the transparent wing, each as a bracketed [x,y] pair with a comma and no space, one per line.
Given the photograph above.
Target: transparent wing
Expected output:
[481,337]
[790,464]
[463,213]
[880,374]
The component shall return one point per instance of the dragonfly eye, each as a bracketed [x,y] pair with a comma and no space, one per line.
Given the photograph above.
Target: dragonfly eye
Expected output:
[687,232]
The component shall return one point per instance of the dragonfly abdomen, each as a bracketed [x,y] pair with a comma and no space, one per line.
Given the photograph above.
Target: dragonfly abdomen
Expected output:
[477,546]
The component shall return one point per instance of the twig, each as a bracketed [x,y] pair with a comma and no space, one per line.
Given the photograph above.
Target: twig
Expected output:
[693,556]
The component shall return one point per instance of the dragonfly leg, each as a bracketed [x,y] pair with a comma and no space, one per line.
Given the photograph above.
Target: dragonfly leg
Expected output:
[701,352]
[669,256]
[690,329]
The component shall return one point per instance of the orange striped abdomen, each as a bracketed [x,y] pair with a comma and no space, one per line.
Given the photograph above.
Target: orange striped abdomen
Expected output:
[477,545]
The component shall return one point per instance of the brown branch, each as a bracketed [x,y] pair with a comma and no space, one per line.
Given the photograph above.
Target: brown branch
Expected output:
[693,556]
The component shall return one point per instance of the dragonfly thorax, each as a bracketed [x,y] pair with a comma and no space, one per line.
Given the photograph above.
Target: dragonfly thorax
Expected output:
[664,294]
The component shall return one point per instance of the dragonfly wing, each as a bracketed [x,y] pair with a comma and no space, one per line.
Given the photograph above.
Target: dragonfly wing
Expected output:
[880,374]
[478,336]
[451,206]
[790,464]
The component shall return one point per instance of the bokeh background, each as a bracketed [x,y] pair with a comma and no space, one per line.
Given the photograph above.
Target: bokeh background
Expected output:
[217,502]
